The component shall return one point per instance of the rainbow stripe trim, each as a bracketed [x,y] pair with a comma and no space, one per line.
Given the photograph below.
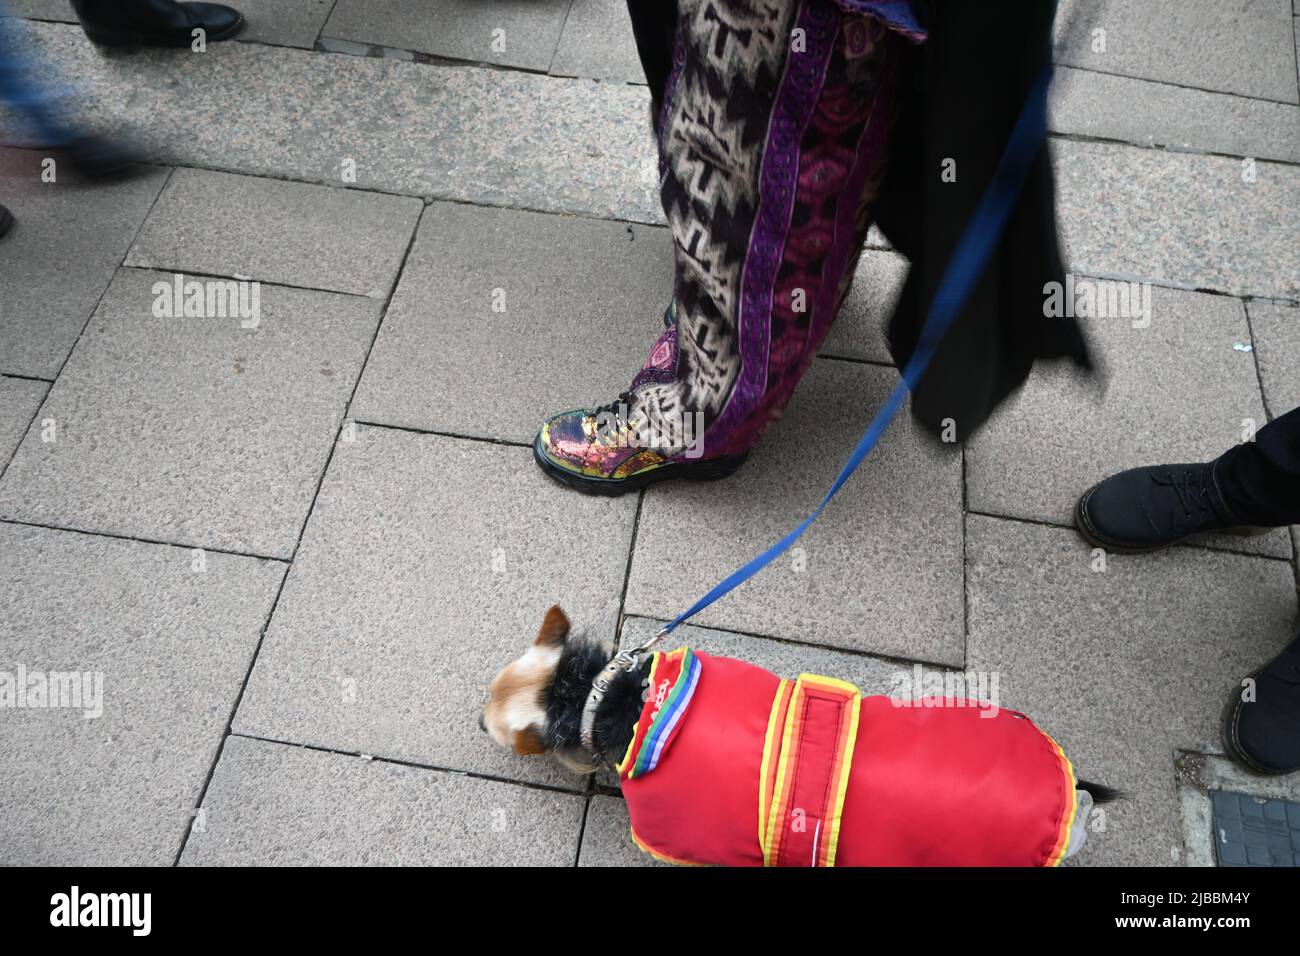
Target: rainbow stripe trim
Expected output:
[669,715]
[1066,824]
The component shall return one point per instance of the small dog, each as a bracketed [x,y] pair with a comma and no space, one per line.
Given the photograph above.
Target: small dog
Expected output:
[723,762]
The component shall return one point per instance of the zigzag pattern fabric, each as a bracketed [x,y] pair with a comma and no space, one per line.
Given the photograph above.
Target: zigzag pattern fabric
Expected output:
[774,134]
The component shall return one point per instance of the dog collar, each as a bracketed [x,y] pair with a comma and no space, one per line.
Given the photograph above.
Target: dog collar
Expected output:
[621,663]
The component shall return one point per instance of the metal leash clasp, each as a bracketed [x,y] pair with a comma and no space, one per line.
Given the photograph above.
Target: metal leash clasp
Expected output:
[622,662]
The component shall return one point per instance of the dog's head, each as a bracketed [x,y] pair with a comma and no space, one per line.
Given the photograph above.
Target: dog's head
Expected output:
[515,714]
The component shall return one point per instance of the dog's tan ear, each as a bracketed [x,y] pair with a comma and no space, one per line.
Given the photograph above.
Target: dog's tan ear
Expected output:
[528,742]
[555,628]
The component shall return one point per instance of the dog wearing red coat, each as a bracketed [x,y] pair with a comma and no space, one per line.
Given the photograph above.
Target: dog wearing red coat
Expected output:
[722,762]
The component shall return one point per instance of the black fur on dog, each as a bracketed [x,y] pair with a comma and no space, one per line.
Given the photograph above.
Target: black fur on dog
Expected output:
[579,664]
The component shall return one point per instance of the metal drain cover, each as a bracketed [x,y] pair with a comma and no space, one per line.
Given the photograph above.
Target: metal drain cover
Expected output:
[1254,831]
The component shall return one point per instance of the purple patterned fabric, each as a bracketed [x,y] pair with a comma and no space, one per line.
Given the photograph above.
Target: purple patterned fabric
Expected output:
[794,107]
[772,154]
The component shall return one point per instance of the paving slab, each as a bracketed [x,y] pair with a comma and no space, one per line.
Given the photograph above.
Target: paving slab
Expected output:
[318,237]
[1122,667]
[607,836]
[880,571]
[284,22]
[270,804]
[60,10]
[1276,329]
[489,136]
[193,431]
[1233,46]
[427,565]
[68,239]
[19,400]
[518,33]
[167,643]
[859,330]
[1176,391]
[1101,105]
[573,331]
[597,42]
[1179,219]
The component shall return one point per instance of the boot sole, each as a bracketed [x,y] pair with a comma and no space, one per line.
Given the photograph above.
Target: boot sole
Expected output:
[710,470]
[1097,541]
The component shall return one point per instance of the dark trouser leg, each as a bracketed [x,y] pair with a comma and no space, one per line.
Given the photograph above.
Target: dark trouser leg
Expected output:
[1260,480]
[654,24]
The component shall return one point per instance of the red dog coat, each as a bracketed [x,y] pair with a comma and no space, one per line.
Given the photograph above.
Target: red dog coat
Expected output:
[731,765]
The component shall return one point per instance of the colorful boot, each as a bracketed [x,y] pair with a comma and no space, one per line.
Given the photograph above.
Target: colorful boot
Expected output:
[611,450]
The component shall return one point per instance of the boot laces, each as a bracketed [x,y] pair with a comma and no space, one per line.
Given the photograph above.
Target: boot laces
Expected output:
[613,419]
[1192,488]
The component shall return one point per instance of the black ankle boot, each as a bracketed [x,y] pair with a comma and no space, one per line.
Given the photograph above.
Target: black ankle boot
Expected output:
[1264,734]
[129,23]
[1146,509]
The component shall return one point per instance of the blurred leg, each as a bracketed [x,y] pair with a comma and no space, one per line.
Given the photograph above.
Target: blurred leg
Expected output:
[20,88]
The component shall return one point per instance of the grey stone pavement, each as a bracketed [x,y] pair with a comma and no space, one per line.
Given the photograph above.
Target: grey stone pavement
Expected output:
[297,551]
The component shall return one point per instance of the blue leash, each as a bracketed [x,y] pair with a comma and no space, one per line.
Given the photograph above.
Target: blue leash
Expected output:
[964,269]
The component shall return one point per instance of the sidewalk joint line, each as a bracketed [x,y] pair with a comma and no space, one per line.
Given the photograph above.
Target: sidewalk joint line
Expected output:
[1195,545]
[1180,86]
[1169,148]
[140,539]
[194,274]
[881,656]
[230,719]
[559,38]
[323,24]
[627,568]
[416,430]
[414,764]
[582,824]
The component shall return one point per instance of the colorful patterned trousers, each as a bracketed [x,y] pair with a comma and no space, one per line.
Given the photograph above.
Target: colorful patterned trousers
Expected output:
[773,143]
[774,132]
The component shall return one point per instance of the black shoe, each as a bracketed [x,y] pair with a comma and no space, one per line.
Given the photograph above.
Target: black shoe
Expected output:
[6,221]
[131,23]
[1264,734]
[96,157]
[1146,509]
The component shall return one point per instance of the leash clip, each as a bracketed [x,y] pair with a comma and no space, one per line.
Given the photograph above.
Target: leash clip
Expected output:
[621,663]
